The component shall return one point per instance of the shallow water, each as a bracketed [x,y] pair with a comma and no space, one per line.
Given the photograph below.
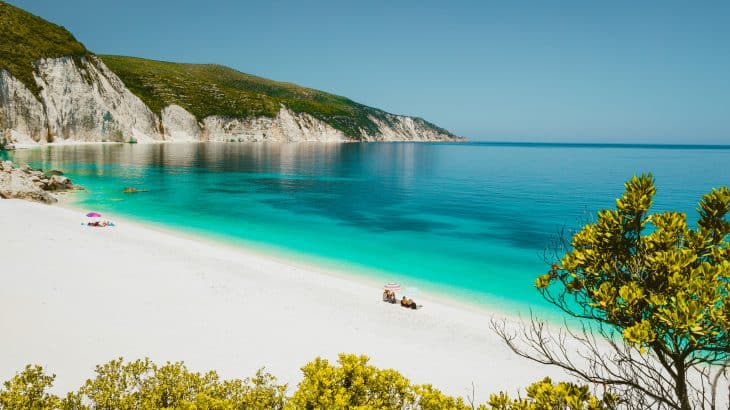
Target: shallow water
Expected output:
[470,221]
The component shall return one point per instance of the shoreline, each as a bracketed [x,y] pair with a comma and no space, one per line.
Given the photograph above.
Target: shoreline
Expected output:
[139,291]
[463,298]
[363,275]
[23,146]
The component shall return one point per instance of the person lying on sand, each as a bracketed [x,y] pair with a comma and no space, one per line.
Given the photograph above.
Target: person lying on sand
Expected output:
[99,224]
[408,303]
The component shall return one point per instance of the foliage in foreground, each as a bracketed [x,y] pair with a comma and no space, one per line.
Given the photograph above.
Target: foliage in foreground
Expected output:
[352,383]
[656,296]
[548,395]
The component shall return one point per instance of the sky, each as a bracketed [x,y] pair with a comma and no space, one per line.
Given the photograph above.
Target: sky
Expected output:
[552,71]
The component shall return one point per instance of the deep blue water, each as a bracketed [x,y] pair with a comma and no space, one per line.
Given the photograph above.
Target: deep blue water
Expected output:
[465,220]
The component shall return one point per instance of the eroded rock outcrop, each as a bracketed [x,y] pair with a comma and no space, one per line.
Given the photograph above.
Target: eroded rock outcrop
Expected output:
[22,116]
[34,185]
[287,126]
[80,100]
[84,101]
[403,128]
[180,125]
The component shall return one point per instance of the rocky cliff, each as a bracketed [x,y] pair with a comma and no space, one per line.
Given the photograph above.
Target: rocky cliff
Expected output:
[83,101]
[54,90]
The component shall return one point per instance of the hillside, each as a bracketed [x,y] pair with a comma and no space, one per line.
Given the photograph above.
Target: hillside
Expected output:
[26,38]
[208,89]
[86,97]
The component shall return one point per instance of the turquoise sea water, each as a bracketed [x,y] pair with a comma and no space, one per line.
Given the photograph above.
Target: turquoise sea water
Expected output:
[463,220]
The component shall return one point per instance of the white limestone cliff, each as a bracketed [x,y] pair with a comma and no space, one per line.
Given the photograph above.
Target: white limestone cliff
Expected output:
[287,126]
[403,128]
[180,125]
[22,116]
[83,101]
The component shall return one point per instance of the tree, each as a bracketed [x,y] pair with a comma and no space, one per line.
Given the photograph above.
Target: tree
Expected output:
[351,384]
[653,299]
[141,384]
[546,395]
[354,383]
[29,390]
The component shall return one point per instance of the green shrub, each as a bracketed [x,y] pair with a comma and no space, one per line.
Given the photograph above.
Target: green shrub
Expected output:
[29,390]
[351,383]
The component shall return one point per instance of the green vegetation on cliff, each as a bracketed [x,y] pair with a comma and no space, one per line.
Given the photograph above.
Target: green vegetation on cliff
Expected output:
[202,89]
[208,89]
[26,38]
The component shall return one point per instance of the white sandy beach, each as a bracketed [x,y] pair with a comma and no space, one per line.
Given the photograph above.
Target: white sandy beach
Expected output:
[73,297]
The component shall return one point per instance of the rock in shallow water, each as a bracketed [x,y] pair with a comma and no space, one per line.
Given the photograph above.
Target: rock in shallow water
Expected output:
[30,184]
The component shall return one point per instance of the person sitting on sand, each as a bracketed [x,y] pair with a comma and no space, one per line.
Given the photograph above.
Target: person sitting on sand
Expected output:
[386,295]
[392,297]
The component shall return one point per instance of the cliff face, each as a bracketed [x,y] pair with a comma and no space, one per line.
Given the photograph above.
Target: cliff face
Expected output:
[79,101]
[403,128]
[52,89]
[83,101]
[22,117]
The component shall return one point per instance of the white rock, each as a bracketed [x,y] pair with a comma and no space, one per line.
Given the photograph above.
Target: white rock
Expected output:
[179,125]
[287,126]
[87,102]
[22,117]
[403,128]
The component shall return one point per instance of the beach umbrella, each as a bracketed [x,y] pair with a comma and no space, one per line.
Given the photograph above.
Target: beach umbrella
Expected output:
[93,215]
[392,286]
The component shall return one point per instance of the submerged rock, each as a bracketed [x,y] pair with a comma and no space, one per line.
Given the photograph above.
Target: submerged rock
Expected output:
[133,190]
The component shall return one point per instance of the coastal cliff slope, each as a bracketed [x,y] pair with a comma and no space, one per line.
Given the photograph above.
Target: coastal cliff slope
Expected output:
[52,89]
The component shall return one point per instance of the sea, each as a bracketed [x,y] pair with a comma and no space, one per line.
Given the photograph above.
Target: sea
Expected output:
[472,222]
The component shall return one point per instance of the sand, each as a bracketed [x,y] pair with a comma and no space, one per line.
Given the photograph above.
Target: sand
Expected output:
[74,296]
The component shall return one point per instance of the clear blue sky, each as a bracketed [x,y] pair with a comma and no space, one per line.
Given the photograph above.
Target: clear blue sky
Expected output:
[616,71]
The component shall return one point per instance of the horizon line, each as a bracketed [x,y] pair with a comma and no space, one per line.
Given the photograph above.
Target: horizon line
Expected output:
[598,144]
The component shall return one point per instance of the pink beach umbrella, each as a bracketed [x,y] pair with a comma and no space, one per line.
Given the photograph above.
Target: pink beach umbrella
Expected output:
[93,215]
[392,286]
